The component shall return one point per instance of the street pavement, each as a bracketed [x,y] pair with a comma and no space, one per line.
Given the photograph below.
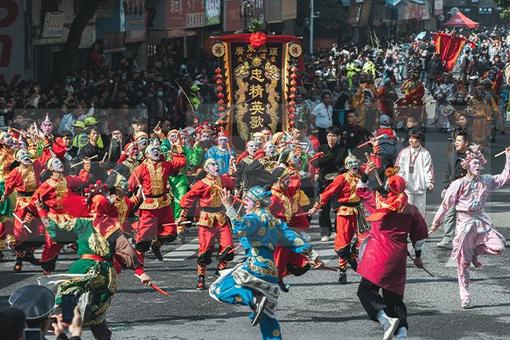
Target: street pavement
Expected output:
[316,307]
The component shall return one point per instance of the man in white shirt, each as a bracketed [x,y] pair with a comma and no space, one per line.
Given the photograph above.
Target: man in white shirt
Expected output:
[416,168]
[322,116]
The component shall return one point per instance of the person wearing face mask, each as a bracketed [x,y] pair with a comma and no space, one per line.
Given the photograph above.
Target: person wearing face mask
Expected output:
[47,199]
[416,168]
[156,219]
[474,234]
[129,160]
[253,283]
[221,153]
[6,158]
[24,180]
[350,218]
[212,221]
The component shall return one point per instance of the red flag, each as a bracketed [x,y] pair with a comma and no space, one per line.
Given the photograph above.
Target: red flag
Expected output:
[449,48]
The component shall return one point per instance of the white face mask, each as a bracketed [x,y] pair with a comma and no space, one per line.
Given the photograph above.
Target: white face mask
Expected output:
[24,157]
[57,165]
[270,150]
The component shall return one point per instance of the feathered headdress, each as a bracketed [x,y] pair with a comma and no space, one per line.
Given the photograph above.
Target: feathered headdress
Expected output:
[474,152]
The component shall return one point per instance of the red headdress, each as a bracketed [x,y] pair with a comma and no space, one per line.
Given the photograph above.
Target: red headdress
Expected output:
[395,200]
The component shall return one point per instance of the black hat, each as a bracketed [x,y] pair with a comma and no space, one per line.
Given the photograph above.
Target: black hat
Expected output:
[37,302]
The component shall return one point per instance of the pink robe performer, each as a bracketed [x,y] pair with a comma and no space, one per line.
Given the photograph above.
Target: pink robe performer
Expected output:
[474,234]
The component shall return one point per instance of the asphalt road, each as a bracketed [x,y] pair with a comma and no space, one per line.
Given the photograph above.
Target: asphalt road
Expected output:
[316,306]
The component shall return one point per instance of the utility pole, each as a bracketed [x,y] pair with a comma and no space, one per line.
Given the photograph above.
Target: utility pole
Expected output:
[312,15]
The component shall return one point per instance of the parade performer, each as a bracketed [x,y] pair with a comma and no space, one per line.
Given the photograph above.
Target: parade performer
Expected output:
[125,206]
[386,97]
[364,103]
[287,205]
[179,183]
[416,168]
[129,160]
[383,255]
[6,158]
[47,199]
[413,91]
[253,283]
[350,218]
[242,164]
[96,281]
[444,95]
[221,153]
[262,170]
[483,108]
[212,221]
[24,180]
[474,234]
[156,221]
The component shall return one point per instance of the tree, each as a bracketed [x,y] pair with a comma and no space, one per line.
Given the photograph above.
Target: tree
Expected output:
[83,16]
[331,23]
[505,4]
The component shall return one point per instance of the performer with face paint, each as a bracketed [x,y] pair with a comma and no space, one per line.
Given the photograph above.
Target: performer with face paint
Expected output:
[221,153]
[6,158]
[47,199]
[156,220]
[350,219]
[253,283]
[179,183]
[142,139]
[212,221]
[287,201]
[474,234]
[24,179]
[129,160]
[263,170]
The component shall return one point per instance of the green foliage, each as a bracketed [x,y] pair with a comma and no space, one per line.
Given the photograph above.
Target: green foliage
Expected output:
[505,4]
[256,25]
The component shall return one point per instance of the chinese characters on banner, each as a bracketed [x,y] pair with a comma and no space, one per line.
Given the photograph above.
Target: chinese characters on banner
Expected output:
[256,86]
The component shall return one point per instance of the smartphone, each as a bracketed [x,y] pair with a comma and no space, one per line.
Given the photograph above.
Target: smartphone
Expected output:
[32,334]
[67,307]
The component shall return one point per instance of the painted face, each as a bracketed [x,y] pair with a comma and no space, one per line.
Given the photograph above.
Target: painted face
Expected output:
[153,153]
[249,205]
[47,127]
[353,165]
[134,152]
[475,167]
[259,140]
[212,168]
[173,136]
[252,148]
[222,141]
[204,137]
[143,142]
[57,165]
[270,150]
[121,184]
[24,157]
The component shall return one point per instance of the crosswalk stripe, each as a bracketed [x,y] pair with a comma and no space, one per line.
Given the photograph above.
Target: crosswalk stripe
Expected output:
[182,252]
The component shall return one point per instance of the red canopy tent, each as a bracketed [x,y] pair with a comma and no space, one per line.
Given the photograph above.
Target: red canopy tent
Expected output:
[460,20]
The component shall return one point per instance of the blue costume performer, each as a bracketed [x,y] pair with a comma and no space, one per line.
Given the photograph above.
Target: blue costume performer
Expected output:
[221,153]
[254,282]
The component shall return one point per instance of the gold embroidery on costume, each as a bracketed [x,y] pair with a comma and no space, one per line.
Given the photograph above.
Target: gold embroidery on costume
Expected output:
[98,244]
[28,174]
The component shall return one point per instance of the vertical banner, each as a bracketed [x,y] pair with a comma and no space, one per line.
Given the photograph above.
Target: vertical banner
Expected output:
[438,7]
[12,41]
[256,86]
[212,12]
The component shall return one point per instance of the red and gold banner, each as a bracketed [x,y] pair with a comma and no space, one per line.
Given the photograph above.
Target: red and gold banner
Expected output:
[256,85]
[449,48]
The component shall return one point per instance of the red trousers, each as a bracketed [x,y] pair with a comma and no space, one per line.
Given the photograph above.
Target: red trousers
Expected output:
[207,240]
[155,223]
[346,228]
[284,256]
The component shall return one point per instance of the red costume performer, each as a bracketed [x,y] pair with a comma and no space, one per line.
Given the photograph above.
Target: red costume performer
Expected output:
[212,222]
[350,219]
[286,204]
[156,223]
[24,179]
[383,258]
[48,201]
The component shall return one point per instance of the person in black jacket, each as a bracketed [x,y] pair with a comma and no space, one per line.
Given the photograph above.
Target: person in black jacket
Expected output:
[453,171]
[93,150]
[330,162]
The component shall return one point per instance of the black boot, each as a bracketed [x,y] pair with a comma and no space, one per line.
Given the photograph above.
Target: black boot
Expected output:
[49,266]
[260,304]
[283,286]
[29,257]
[342,278]
[201,282]
[156,250]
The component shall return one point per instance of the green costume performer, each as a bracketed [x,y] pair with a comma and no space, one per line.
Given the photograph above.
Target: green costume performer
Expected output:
[179,183]
[95,263]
